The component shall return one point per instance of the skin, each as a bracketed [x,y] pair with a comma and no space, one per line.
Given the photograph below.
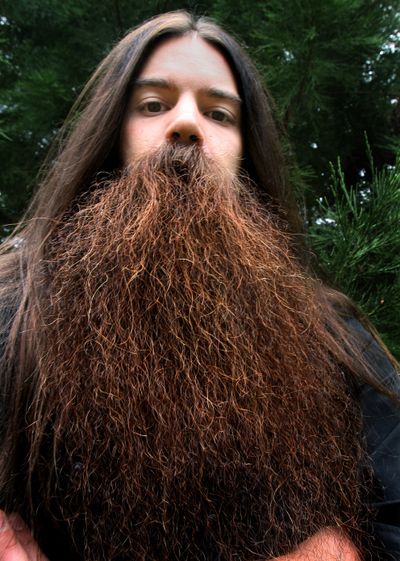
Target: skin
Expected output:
[16,541]
[17,544]
[186,93]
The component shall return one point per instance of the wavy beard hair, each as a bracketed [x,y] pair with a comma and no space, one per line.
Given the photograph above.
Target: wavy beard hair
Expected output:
[193,410]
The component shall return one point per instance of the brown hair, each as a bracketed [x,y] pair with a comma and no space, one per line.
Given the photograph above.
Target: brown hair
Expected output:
[88,142]
[88,146]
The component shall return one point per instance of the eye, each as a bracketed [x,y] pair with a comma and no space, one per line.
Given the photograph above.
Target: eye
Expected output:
[221,116]
[152,107]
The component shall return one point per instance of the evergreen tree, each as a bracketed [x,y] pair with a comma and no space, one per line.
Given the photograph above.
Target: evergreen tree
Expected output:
[332,68]
[357,239]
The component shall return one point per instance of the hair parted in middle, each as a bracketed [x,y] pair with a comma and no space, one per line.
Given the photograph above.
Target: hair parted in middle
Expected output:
[89,141]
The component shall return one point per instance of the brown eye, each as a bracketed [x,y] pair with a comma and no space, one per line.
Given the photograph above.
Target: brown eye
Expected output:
[154,106]
[221,116]
[218,116]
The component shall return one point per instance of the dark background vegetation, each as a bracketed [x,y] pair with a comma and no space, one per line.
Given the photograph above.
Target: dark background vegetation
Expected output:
[333,69]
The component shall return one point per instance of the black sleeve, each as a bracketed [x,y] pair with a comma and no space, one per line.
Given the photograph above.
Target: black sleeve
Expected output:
[381,424]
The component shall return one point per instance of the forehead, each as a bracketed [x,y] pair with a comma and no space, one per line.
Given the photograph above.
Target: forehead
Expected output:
[189,61]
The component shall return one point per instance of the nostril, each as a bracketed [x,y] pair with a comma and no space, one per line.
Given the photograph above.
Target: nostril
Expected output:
[185,137]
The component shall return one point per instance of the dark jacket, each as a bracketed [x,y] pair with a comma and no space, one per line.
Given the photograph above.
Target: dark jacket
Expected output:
[381,417]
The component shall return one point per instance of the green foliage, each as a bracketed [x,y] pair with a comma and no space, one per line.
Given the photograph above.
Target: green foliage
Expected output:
[332,67]
[357,239]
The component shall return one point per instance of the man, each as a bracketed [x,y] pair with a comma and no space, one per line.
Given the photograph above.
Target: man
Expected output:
[178,385]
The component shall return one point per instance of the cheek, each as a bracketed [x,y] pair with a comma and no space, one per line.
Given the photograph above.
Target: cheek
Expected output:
[230,151]
[137,138]
[133,139]
[228,144]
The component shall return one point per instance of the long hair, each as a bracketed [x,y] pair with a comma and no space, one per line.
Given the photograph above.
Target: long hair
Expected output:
[88,147]
[89,141]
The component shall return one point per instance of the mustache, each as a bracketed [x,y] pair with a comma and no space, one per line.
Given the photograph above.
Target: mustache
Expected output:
[177,160]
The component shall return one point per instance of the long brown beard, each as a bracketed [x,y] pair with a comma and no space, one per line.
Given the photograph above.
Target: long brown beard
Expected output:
[195,412]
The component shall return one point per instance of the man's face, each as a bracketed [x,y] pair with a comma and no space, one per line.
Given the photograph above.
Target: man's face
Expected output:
[186,93]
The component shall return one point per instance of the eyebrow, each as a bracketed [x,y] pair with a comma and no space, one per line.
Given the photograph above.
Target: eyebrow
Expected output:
[168,85]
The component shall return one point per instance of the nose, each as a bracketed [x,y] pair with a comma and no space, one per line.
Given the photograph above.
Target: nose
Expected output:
[185,126]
